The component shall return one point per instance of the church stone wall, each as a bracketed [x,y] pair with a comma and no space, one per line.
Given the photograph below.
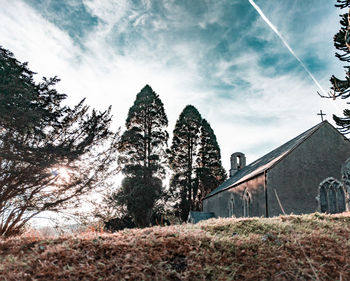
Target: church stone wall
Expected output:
[297,176]
[219,203]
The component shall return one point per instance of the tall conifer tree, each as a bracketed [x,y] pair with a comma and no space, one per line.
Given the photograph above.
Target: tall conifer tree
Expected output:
[143,156]
[183,160]
[341,87]
[210,171]
[195,161]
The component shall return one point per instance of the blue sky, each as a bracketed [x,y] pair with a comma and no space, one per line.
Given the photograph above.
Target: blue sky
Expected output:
[219,56]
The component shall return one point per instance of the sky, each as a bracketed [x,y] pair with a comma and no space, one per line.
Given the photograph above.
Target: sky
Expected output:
[219,55]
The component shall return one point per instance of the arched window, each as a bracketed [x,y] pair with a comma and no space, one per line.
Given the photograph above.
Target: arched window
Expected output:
[332,200]
[247,204]
[331,196]
[231,206]
[341,199]
[323,199]
[340,196]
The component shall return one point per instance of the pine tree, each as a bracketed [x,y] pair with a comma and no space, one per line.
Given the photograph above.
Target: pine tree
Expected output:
[341,87]
[210,171]
[49,154]
[143,156]
[183,160]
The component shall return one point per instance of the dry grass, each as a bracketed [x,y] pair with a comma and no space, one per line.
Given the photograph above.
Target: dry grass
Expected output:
[309,247]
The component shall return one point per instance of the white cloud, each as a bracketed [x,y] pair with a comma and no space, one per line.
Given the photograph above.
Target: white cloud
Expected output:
[273,110]
[109,12]
[173,68]
[34,39]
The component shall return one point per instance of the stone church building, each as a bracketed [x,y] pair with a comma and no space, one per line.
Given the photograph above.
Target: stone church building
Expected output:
[286,180]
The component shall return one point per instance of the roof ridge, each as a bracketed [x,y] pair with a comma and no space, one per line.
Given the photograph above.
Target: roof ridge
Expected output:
[267,161]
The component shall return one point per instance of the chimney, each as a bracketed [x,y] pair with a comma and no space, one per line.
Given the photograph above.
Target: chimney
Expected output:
[237,162]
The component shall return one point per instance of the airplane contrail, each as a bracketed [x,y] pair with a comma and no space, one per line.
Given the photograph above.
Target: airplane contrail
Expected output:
[256,7]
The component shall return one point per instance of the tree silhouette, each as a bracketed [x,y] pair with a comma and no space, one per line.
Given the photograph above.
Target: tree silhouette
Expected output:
[143,156]
[49,154]
[195,162]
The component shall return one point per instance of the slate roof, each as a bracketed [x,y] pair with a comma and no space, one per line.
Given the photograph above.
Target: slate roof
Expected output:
[194,217]
[265,162]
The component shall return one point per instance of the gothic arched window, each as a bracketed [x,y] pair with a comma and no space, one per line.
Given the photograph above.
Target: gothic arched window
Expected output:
[341,199]
[331,196]
[231,206]
[332,200]
[247,204]
[323,199]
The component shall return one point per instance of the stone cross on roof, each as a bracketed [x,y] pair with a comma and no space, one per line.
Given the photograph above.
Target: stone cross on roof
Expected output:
[321,114]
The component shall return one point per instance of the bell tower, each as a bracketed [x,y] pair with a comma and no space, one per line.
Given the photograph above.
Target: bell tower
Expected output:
[237,162]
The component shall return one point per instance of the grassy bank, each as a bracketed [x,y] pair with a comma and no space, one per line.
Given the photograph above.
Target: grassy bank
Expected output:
[309,247]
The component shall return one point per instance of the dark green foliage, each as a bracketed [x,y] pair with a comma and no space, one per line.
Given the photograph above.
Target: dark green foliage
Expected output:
[139,194]
[194,160]
[183,160]
[143,156]
[39,139]
[341,87]
[210,171]
[117,224]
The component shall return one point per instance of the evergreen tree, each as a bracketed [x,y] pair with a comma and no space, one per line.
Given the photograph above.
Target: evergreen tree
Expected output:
[195,161]
[49,154]
[341,87]
[210,171]
[143,156]
[183,160]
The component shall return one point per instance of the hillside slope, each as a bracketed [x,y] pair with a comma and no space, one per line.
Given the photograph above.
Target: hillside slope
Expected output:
[309,247]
